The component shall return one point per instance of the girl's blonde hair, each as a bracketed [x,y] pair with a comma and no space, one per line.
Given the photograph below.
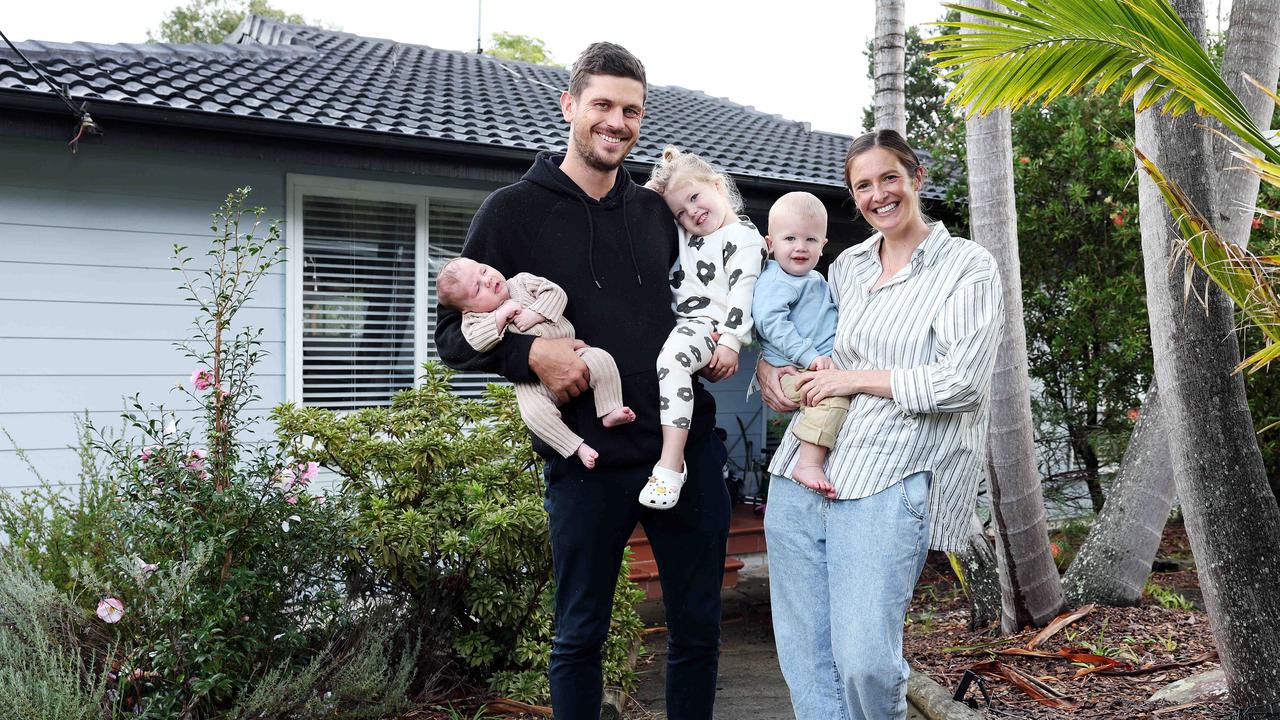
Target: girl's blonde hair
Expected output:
[675,167]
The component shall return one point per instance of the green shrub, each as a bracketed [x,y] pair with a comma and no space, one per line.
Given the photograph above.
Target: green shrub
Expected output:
[449,525]
[48,667]
[58,533]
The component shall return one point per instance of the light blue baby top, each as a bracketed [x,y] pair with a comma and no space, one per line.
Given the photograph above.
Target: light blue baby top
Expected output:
[795,317]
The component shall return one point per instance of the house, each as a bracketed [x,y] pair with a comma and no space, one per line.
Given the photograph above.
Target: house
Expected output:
[375,153]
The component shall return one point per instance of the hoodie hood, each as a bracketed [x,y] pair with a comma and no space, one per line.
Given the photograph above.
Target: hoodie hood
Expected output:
[546,173]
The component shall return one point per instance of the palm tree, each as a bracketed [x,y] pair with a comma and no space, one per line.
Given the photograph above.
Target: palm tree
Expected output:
[890,63]
[1051,47]
[1031,593]
[1113,563]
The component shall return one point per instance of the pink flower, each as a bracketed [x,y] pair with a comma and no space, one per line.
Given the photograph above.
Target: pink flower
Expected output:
[196,460]
[291,499]
[148,452]
[319,499]
[202,379]
[298,476]
[110,610]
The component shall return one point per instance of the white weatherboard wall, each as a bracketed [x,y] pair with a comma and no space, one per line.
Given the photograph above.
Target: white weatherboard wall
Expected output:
[89,307]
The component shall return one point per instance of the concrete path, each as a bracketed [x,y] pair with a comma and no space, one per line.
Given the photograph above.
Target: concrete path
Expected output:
[750,685]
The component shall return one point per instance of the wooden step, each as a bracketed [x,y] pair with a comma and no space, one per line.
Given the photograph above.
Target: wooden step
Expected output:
[746,537]
[645,574]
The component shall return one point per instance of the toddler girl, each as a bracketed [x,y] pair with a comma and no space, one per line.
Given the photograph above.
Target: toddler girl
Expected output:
[720,255]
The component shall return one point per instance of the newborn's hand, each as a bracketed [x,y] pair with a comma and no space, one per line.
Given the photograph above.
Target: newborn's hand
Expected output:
[526,318]
[505,312]
[822,362]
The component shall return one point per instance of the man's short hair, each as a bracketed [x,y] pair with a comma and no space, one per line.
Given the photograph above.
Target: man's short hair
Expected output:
[604,58]
[448,289]
[800,203]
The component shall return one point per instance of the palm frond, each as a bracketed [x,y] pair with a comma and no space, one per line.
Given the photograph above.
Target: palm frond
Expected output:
[1249,280]
[1042,49]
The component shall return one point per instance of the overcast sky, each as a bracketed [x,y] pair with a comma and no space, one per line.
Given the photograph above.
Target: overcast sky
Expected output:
[801,59]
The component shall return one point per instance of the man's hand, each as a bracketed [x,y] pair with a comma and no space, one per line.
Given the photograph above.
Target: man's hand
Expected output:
[822,362]
[771,390]
[526,318]
[559,367]
[724,363]
[505,312]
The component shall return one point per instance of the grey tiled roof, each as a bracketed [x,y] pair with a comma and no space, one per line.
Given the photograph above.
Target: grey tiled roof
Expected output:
[278,72]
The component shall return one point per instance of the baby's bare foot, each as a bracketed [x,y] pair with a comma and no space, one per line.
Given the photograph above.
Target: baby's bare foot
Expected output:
[621,416]
[587,455]
[812,477]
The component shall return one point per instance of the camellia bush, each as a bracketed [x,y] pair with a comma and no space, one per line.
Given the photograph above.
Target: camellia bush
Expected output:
[209,572]
[449,527]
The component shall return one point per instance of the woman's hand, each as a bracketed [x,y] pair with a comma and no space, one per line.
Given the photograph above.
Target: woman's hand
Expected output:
[723,364]
[771,390]
[817,386]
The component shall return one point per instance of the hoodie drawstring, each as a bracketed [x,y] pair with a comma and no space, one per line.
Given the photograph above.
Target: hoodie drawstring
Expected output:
[631,245]
[591,241]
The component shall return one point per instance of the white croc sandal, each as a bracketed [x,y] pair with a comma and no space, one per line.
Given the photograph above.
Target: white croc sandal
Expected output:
[663,489]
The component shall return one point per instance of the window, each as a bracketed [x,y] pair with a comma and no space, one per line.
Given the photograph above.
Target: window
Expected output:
[361,297]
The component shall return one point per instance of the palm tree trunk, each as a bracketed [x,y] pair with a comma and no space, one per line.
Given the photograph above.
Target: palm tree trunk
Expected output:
[1112,565]
[889,68]
[1231,516]
[1253,49]
[979,574]
[1031,591]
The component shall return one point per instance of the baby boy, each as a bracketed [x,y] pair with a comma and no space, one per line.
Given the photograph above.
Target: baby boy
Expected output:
[796,323]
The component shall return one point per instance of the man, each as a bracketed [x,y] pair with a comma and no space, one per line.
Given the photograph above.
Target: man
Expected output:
[580,222]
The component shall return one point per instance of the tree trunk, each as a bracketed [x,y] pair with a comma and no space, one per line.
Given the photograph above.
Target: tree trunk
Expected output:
[1253,49]
[979,576]
[889,69]
[1112,565]
[1115,560]
[1231,515]
[1031,591]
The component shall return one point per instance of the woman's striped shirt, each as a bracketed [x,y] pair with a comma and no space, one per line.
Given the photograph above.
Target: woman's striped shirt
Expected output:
[935,326]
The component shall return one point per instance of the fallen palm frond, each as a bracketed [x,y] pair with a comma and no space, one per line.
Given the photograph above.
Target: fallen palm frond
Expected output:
[1035,688]
[1058,623]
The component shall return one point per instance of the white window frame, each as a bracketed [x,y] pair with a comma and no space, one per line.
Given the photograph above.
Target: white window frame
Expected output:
[296,187]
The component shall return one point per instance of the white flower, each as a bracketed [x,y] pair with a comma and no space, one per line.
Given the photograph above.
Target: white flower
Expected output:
[170,428]
[284,525]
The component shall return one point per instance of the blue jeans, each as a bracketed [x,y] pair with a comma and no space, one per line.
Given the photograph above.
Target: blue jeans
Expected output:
[841,575]
[591,514]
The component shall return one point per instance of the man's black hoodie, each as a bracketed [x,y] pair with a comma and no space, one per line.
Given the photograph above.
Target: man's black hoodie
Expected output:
[612,257]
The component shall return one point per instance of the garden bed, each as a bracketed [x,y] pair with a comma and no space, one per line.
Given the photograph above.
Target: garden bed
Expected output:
[1169,643]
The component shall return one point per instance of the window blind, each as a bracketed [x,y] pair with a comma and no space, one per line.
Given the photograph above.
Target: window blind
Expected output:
[447,223]
[357,301]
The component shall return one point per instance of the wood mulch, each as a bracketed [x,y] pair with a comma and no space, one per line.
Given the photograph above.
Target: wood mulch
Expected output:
[939,643]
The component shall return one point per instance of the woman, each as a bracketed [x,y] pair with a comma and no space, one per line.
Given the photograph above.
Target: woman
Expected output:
[920,315]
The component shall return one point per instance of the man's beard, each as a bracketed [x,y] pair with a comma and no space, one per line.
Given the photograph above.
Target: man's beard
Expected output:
[587,152]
